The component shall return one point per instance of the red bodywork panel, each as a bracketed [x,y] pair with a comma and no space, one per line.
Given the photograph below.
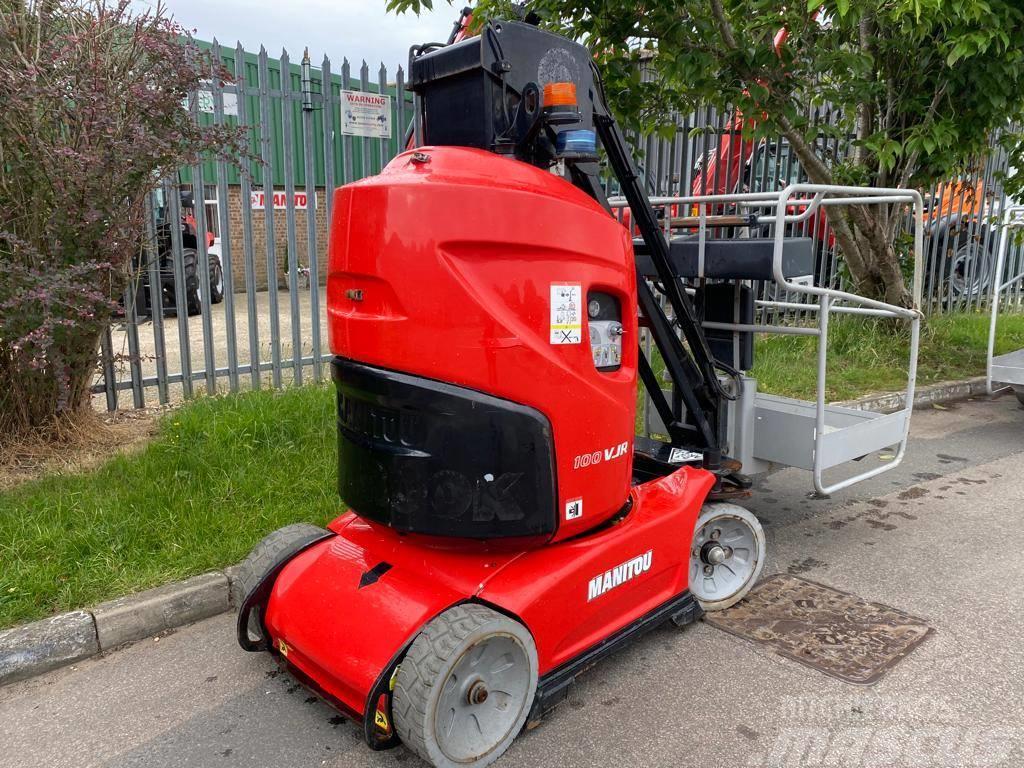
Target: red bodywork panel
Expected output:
[345,637]
[470,302]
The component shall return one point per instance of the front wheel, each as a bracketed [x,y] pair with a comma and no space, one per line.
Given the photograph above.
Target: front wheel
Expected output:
[465,688]
[726,556]
[216,280]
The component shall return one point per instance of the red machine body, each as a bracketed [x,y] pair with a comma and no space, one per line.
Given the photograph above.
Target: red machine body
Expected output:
[560,592]
[470,302]
[484,318]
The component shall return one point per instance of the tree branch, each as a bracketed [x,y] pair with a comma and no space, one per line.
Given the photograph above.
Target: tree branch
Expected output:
[724,27]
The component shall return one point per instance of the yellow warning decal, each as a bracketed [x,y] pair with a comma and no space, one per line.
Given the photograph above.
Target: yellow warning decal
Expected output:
[282,646]
[381,721]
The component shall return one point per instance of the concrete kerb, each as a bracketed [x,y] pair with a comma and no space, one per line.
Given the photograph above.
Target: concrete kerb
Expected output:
[942,392]
[32,649]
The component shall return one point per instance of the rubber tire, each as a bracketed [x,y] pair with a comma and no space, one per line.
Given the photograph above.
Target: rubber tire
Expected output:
[423,671]
[216,279]
[190,269]
[264,556]
[987,263]
[1019,392]
[711,511]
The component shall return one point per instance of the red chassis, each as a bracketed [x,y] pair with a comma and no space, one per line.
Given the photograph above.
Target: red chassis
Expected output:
[575,597]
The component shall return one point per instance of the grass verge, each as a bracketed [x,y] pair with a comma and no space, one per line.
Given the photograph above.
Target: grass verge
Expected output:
[220,473]
[865,355]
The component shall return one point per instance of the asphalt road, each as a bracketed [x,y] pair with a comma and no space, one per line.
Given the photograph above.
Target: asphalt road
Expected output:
[939,538]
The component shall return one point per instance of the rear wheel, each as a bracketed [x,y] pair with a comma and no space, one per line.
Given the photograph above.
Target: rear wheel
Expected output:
[971,264]
[465,688]
[727,555]
[190,269]
[216,280]
[263,558]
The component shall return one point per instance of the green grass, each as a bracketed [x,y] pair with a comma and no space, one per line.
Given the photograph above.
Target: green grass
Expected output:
[221,473]
[224,471]
[866,356]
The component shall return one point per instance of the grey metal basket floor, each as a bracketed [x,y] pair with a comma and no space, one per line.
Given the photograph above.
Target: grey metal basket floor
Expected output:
[1009,368]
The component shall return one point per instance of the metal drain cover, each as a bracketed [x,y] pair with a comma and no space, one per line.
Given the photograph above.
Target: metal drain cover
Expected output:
[834,632]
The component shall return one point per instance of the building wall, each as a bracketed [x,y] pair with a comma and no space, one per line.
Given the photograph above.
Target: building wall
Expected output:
[259,244]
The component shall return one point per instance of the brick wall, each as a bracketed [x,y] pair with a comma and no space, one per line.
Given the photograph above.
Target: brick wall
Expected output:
[259,236]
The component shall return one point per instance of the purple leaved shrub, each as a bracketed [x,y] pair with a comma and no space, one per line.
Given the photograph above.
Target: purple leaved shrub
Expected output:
[91,118]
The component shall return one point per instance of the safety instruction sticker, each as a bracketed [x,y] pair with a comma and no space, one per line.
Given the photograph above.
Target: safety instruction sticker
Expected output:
[574,509]
[566,313]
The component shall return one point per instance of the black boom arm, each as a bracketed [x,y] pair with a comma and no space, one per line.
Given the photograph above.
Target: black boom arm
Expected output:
[691,367]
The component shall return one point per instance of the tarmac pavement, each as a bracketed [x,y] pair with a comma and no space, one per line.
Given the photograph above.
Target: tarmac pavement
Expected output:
[940,538]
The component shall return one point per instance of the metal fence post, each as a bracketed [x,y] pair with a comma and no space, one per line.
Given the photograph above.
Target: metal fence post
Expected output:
[288,140]
[203,265]
[364,85]
[156,303]
[245,202]
[267,154]
[224,226]
[346,141]
[312,257]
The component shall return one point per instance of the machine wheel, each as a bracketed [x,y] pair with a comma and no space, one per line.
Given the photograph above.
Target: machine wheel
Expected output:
[264,556]
[971,265]
[465,688]
[216,280]
[190,269]
[1019,392]
[727,556]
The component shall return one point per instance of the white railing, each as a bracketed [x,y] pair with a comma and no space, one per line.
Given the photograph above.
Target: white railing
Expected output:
[806,200]
[1013,218]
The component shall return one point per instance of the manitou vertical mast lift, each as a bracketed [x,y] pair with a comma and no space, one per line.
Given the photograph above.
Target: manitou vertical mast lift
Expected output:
[506,528]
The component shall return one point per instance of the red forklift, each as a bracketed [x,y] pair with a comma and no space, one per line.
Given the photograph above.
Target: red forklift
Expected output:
[506,527]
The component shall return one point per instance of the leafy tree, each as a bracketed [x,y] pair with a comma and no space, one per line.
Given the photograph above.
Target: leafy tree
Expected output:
[921,85]
[92,116]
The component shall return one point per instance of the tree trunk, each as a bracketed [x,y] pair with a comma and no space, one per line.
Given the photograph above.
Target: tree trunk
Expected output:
[861,236]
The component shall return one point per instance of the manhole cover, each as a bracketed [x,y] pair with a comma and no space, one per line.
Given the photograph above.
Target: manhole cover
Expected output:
[834,632]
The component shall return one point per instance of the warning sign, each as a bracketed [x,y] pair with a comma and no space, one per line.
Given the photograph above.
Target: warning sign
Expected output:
[366,114]
[574,509]
[566,313]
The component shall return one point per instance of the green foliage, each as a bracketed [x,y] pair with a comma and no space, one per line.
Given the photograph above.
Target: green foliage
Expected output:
[221,473]
[921,83]
[91,116]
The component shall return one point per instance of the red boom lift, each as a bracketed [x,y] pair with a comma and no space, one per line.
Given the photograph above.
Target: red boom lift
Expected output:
[507,528]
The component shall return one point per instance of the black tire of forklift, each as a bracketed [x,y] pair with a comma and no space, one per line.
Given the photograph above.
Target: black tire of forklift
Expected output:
[266,556]
[190,269]
[216,280]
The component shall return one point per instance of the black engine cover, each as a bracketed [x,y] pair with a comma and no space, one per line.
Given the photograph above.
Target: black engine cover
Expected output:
[428,457]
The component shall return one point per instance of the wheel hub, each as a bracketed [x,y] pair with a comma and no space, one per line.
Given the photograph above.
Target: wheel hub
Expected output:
[477,692]
[713,553]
